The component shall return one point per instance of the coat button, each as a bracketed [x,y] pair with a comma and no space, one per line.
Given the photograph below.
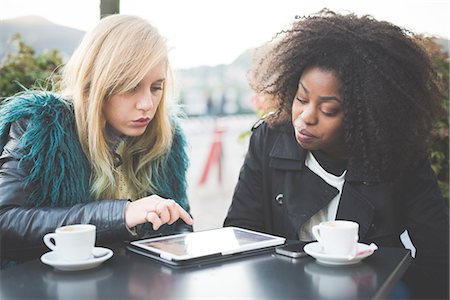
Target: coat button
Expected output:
[279,199]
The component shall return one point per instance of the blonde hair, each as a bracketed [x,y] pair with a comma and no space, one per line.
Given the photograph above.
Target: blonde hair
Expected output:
[111,59]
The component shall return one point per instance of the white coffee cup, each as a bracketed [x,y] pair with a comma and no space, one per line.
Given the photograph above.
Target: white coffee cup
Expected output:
[337,237]
[72,242]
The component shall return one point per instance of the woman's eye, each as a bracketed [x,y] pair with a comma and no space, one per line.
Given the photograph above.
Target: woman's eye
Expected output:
[301,100]
[156,88]
[330,112]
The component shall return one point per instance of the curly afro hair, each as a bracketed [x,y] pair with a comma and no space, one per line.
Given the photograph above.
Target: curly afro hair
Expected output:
[389,86]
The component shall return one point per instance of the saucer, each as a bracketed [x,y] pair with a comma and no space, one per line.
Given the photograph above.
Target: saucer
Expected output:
[315,250]
[51,259]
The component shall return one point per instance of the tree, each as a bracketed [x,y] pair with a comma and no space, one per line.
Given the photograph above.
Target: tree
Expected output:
[109,7]
[24,69]
[440,148]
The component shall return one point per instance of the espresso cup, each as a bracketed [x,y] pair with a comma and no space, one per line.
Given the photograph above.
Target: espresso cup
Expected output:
[337,237]
[72,242]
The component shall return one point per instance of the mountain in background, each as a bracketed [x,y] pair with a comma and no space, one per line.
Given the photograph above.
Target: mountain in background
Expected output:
[221,89]
[40,34]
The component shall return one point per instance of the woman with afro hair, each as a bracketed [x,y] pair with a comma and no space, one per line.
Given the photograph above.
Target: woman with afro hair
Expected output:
[354,100]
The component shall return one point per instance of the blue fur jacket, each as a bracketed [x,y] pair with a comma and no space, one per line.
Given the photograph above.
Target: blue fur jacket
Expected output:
[44,179]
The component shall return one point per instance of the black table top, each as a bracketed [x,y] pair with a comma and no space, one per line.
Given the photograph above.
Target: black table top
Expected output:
[264,276]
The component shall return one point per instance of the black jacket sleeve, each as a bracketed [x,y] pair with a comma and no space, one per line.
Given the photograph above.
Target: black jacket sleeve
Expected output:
[247,209]
[426,214]
[23,226]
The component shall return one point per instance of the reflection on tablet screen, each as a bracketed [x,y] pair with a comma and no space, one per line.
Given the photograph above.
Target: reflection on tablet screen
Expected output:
[206,242]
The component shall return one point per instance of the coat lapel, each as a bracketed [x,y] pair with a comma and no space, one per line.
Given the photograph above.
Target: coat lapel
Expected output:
[304,192]
[286,154]
[357,206]
[302,203]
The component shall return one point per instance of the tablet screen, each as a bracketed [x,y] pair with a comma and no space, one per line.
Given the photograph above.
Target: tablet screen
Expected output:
[201,243]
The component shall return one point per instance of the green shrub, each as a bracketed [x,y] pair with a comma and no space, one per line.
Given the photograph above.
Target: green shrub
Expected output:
[24,69]
[440,148]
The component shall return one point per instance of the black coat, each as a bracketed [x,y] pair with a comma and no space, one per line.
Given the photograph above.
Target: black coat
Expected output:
[38,138]
[277,194]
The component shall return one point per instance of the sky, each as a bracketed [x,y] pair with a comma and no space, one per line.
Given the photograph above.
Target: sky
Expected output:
[211,32]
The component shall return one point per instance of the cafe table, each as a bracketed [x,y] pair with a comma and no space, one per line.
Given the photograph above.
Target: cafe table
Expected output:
[268,275]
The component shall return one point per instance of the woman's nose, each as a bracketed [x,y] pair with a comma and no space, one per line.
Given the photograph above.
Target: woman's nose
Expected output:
[145,102]
[309,115]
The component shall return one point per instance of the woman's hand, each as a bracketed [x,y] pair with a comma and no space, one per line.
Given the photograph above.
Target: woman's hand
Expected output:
[156,210]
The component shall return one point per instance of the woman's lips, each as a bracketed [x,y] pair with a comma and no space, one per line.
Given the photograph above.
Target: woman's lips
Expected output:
[304,136]
[141,122]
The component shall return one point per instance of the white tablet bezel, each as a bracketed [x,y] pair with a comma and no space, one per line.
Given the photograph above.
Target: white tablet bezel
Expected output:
[212,250]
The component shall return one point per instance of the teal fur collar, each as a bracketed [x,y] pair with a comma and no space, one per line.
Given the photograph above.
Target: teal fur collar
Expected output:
[60,172]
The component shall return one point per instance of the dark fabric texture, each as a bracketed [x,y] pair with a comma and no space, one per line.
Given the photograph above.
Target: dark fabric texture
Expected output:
[276,193]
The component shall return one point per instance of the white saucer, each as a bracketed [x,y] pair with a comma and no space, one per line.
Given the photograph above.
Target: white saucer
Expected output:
[315,250]
[51,259]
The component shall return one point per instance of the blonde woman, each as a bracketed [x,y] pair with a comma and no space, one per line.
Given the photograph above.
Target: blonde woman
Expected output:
[106,150]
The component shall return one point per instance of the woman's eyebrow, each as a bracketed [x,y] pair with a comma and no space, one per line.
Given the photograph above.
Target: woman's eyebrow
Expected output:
[324,98]
[330,98]
[304,88]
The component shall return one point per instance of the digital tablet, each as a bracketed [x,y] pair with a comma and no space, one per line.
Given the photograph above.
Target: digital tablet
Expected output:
[205,246]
